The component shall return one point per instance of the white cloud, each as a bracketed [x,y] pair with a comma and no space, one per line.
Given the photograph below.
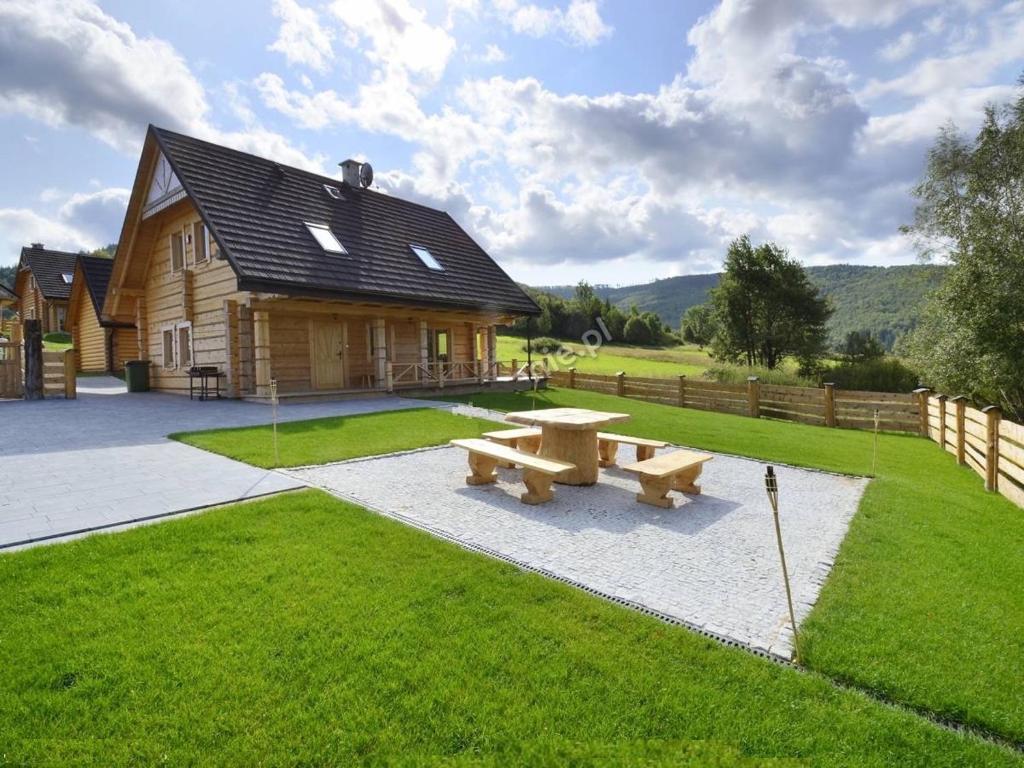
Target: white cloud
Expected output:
[493,54]
[580,23]
[81,221]
[303,39]
[900,48]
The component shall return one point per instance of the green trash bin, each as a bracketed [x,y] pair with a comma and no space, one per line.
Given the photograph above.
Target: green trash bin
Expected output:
[136,375]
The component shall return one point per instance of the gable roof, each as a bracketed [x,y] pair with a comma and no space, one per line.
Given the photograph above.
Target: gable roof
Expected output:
[48,268]
[257,212]
[6,294]
[92,279]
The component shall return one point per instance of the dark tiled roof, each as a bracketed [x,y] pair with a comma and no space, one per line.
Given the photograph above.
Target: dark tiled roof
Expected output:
[48,268]
[257,211]
[96,270]
[7,293]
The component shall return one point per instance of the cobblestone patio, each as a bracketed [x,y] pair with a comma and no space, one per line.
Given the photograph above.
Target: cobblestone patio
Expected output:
[711,562]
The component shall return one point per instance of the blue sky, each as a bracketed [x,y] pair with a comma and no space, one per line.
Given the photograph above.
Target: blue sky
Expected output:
[615,142]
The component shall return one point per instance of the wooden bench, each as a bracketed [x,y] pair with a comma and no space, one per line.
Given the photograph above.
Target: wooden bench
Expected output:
[538,472]
[608,446]
[524,438]
[676,471]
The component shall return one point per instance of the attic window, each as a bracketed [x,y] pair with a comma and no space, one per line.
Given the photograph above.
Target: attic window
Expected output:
[333,192]
[68,277]
[427,258]
[326,238]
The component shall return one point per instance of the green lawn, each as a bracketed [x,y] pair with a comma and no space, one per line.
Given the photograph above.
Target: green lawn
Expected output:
[924,605]
[687,360]
[319,441]
[301,630]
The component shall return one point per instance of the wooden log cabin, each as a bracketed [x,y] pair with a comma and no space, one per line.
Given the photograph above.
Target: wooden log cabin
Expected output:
[101,346]
[274,274]
[43,285]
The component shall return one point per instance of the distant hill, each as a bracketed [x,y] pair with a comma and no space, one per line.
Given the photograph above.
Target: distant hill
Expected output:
[883,300]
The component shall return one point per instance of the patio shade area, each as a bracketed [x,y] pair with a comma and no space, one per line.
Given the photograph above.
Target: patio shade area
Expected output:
[711,563]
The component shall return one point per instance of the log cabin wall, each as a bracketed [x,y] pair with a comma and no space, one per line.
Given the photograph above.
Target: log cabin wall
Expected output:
[90,339]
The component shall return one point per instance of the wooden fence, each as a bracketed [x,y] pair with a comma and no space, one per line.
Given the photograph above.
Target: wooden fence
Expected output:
[59,377]
[982,440]
[827,406]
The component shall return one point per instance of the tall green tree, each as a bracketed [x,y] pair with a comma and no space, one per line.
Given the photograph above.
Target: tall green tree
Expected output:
[698,325]
[971,215]
[766,309]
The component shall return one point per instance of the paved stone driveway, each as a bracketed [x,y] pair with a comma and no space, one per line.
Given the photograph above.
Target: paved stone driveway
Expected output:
[103,460]
[711,562]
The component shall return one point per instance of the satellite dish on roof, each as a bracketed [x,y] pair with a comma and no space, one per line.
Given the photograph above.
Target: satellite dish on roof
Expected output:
[365,175]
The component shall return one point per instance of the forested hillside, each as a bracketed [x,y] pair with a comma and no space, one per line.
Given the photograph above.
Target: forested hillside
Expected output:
[7,275]
[883,300]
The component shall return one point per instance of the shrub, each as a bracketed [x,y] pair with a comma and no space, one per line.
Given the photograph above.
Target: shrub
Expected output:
[885,374]
[638,331]
[738,374]
[543,345]
[57,337]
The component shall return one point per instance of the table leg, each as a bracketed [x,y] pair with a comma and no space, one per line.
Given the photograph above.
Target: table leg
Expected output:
[578,446]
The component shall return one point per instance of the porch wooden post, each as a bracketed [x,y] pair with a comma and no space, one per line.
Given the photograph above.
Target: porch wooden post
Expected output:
[261,351]
[380,350]
[141,327]
[515,369]
[492,349]
[231,357]
[424,348]
[922,409]
[993,414]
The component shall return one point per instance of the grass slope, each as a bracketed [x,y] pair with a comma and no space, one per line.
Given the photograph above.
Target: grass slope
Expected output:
[318,441]
[924,604]
[688,360]
[301,630]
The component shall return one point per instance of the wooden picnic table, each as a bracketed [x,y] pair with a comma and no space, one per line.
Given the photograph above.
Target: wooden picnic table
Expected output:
[570,434]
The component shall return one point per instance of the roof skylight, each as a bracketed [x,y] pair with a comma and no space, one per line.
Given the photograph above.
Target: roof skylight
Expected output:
[333,192]
[325,238]
[427,258]
[68,277]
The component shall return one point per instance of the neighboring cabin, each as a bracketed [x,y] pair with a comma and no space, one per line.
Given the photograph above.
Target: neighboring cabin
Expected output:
[100,345]
[8,300]
[43,285]
[269,272]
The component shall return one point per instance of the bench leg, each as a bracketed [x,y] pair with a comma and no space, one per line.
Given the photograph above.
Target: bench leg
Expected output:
[686,481]
[529,444]
[644,452]
[655,491]
[538,487]
[606,450]
[482,469]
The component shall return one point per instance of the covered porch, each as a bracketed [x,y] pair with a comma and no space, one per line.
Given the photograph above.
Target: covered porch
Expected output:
[312,349]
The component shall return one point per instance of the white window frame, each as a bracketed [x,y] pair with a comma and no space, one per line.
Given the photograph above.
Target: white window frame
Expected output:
[175,330]
[325,238]
[426,257]
[179,234]
[206,242]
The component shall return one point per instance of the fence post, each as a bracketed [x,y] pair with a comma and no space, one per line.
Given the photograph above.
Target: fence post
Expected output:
[942,420]
[33,360]
[994,414]
[572,378]
[922,408]
[515,369]
[830,404]
[960,401]
[620,383]
[682,390]
[70,385]
[754,396]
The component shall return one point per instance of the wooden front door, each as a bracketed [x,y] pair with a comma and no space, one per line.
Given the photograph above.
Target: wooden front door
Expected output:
[328,352]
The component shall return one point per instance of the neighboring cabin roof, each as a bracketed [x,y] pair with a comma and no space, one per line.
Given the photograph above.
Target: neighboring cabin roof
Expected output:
[6,294]
[256,210]
[96,271]
[48,268]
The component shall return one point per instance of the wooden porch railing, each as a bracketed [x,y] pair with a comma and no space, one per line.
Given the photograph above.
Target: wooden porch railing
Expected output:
[439,374]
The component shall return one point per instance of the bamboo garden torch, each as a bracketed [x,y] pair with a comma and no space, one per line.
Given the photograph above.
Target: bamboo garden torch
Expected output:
[771,484]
